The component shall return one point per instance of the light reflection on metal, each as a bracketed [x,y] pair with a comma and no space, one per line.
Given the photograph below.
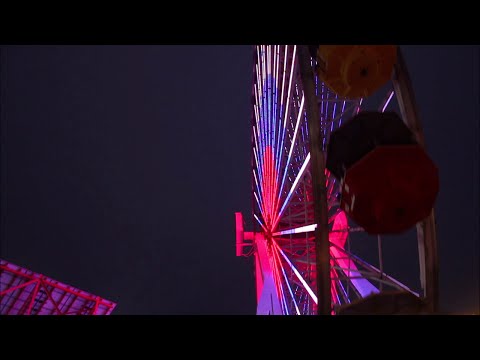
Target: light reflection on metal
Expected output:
[24,292]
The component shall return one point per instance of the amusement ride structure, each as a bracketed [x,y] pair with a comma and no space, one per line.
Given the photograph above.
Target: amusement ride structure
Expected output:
[23,292]
[343,189]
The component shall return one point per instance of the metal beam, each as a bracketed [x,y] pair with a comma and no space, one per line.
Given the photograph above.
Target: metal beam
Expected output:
[426,232]
[317,169]
[34,296]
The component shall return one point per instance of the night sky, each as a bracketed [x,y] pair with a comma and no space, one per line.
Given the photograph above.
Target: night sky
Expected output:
[122,167]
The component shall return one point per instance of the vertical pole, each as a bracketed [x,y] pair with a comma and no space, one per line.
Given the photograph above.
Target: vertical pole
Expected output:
[317,169]
[426,237]
[380,259]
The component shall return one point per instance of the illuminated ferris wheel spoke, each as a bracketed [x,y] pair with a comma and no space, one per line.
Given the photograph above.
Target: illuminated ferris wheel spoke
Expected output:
[296,279]
[331,117]
[293,188]
[297,230]
[298,275]
[287,281]
[279,285]
[260,223]
[389,97]
[286,112]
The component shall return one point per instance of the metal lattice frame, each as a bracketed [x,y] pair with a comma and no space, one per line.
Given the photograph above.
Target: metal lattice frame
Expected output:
[23,292]
[287,97]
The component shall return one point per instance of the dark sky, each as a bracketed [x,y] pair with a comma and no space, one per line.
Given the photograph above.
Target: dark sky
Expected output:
[122,167]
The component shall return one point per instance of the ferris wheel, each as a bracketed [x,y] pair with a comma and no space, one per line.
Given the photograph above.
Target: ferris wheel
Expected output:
[343,191]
